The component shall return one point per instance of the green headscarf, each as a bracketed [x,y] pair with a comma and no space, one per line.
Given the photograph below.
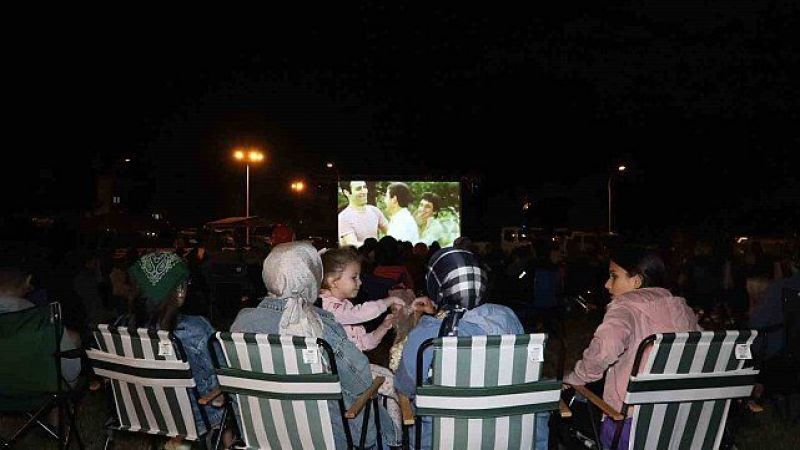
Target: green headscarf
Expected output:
[158,274]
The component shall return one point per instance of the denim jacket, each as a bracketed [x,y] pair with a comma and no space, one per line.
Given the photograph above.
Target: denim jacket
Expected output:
[194,332]
[353,366]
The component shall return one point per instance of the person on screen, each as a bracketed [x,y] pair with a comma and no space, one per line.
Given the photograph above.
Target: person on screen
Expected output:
[359,221]
[430,229]
[402,225]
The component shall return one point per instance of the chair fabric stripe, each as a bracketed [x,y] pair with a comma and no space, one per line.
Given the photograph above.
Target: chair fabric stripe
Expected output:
[177,412]
[501,432]
[133,416]
[158,418]
[257,419]
[528,431]
[245,419]
[148,419]
[519,403]
[276,407]
[325,418]
[271,389]
[122,411]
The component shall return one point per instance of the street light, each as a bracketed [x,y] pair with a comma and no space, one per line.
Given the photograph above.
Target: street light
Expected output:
[620,169]
[298,186]
[248,156]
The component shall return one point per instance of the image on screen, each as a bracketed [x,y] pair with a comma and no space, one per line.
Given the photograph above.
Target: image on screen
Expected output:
[412,211]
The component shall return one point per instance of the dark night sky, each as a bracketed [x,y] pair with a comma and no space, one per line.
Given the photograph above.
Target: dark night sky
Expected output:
[701,100]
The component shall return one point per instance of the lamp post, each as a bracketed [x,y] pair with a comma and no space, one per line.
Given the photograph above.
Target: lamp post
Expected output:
[248,156]
[620,169]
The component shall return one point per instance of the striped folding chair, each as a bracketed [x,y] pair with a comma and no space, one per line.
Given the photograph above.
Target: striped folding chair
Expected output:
[151,382]
[681,397]
[282,387]
[484,391]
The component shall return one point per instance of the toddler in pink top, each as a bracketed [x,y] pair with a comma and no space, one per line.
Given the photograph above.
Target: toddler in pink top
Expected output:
[341,282]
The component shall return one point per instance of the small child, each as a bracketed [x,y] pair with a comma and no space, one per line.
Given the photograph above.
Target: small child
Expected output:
[341,282]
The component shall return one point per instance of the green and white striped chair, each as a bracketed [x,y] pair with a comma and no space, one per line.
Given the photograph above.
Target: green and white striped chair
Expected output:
[484,391]
[282,387]
[682,395]
[151,382]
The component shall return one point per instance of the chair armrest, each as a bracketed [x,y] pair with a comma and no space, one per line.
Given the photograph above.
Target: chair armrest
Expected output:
[365,397]
[405,409]
[597,401]
[211,397]
[564,410]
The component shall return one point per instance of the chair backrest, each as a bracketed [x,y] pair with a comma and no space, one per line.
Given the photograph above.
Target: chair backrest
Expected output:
[281,386]
[485,391]
[151,382]
[29,345]
[791,323]
[683,391]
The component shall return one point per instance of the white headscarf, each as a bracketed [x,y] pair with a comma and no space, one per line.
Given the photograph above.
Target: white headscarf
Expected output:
[293,272]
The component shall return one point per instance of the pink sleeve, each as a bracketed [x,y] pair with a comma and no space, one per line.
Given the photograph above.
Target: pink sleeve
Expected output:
[609,342]
[368,341]
[359,313]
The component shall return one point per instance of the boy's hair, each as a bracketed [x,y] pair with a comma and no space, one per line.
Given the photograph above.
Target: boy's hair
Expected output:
[334,262]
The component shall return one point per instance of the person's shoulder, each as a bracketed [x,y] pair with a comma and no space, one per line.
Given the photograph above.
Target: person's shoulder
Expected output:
[199,322]
[494,308]
[427,327]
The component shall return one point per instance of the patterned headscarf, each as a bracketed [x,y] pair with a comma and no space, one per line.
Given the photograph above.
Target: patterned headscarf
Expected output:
[158,274]
[293,272]
[456,282]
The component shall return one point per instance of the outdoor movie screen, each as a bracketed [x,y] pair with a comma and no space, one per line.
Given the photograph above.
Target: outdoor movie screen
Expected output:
[413,211]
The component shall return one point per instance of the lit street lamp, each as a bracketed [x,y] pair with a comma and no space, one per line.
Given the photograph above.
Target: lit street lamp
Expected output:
[620,169]
[248,156]
[298,186]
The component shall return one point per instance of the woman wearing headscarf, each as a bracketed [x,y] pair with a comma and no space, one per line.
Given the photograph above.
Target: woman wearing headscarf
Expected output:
[456,282]
[292,274]
[162,279]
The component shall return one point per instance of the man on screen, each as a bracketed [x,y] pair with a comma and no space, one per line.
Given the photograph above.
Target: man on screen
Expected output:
[430,229]
[402,225]
[359,221]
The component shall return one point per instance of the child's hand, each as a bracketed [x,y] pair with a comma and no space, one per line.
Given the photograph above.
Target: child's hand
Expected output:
[394,301]
[388,322]
[423,305]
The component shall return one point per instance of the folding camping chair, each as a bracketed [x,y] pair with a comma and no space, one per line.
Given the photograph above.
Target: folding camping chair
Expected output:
[151,383]
[681,397]
[282,387]
[484,391]
[31,381]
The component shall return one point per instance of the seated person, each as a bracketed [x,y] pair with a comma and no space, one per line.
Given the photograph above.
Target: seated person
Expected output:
[639,307]
[14,285]
[461,313]
[161,278]
[341,282]
[292,274]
